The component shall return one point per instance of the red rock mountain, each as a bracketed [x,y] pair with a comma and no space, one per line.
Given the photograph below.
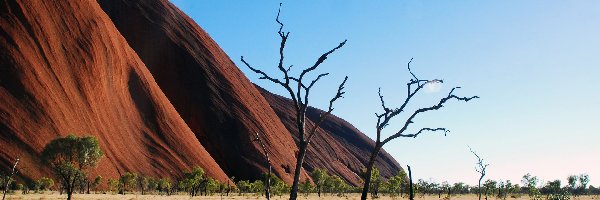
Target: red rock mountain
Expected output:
[211,94]
[65,68]
[347,150]
[154,88]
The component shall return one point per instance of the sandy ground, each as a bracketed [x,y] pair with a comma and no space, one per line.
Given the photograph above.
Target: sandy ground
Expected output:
[55,195]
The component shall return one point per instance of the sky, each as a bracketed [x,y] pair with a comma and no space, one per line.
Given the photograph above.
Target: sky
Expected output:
[535,66]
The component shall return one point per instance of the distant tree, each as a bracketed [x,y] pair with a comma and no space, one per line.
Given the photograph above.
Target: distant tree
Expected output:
[572,183]
[143,182]
[97,181]
[319,175]
[530,182]
[447,188]
[152,184]
[71,157]
[306,187]
[257,187]
[128,181]
[299,94]
[212,186]
[375,182]
[552,187]
[480,168]
[244,186]
[278,187]
[44,183]
[490,187]
[384,118]
[164,185]
[396,184]
[584,179]
[113,185]
[193,180]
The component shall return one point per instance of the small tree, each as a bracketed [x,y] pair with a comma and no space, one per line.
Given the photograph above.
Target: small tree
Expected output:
[193,180]
[113,185]
[490,187]
[375,182]
[128,181]
[143,183]
[299,94]
[584,179]
[164,185]
[319,176]
[384,118]
[97,181]
[480,168]
[530,182]
[70,158]
[44,183]
[306,187]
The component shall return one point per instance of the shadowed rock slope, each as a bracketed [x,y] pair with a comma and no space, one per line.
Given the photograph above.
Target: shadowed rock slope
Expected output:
[217,101]
[337,146]
[65,68]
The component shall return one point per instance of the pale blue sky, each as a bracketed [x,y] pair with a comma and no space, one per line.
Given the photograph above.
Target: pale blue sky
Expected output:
[534,65]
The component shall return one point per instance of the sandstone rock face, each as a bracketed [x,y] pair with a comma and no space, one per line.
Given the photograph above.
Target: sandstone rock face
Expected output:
[65,68]
[337,146]
[217,101]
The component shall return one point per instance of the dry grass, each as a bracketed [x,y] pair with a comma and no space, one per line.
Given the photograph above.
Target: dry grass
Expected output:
[56,195]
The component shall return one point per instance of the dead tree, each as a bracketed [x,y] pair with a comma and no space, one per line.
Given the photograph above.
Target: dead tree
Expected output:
[479,168]
[411,194]
[266,153]
[299,94]
[414,86]
[9,178]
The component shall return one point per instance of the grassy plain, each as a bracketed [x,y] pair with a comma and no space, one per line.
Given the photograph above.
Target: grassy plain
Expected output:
[51,195]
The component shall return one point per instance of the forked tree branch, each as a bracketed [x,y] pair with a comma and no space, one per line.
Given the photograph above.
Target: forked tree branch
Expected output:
[322,116]
[384,118]
[480,168]
[434,107]
[414,135]
[301,91]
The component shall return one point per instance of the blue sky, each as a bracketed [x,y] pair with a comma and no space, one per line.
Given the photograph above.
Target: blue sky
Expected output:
[535,66]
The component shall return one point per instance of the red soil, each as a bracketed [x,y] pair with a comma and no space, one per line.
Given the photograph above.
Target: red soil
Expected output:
[65,68]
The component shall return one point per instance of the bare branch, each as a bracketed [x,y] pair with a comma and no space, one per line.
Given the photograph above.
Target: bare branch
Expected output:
[411,73]
[264,148]
[307,89]
[383,102]
[480,168]
[263,74]
[434,107]
[322,117]
[321,59]
[315,81]
[425,129]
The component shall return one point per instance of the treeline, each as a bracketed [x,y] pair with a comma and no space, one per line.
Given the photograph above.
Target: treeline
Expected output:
[195,183]
[531,186]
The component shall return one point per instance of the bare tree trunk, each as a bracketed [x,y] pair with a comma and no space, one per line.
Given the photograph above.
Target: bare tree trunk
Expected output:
[412,195]
[299,161]
[8,179]
[268,189]
[367,177]
[479,188]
